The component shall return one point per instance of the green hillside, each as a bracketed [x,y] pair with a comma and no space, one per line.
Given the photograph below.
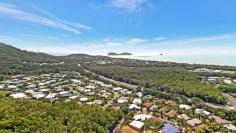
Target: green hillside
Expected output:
[9,53]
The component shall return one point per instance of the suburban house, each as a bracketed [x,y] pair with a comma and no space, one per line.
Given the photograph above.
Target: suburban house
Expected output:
[137,125]
[183,116]
[194,122]
[184,106]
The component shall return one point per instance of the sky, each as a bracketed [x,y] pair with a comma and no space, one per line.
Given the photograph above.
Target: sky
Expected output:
[142,27]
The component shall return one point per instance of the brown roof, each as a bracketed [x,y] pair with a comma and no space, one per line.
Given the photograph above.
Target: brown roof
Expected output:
[171,113]
[128,129]
[147,105]
[163,109]
[162,100]
[171,103]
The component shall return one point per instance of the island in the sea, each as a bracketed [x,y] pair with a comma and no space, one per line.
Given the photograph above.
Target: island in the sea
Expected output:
[114,54]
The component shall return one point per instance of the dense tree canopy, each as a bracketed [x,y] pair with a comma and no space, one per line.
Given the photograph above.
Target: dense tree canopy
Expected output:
[26,116]
[166,79]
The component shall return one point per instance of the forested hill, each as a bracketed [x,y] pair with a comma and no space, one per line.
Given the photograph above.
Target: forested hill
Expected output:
[16,61]
[9,53]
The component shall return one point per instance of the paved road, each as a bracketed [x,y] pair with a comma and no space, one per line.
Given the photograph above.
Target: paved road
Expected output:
[231,99]
[109,79]
[218,106]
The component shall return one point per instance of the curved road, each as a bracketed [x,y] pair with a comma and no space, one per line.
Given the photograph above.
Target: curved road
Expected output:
[232,100]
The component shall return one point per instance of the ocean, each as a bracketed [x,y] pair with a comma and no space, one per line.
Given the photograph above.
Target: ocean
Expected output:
[224,60]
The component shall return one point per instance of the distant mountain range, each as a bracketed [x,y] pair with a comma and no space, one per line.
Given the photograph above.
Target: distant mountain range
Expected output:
[124,53]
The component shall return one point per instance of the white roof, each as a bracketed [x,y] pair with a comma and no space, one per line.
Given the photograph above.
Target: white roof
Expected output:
[38,95]
[137,101]
[134,106]
[31,86]
[117,88]
[202,111]
[142,117]
[213,77]
[194,122]
[41,84]
[184,106]
[1,86]
[87,90]
[83,99]
[139,94]
[79,88]
[137,124]
[44,90]
[97,101]
[199,110]
[102,91]
[183,116]
[11,86]
[206,112]
[90,87]
[18,95]
[230,127]
[51,95]
[124,90]
[123,100]
[29,91]
[227,81]
[128,92]
[90,93]
[75,81]
[45,75]
[107,85]
[63,92]
[73,97]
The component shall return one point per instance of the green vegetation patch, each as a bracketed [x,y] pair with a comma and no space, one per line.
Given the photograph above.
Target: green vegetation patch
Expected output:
[167,79]
[27,116]
[227,88]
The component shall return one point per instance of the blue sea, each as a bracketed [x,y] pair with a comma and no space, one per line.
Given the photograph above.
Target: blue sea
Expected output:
[224,60]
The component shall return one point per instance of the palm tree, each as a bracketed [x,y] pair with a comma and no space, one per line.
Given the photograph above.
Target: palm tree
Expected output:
[193,110]
[147,124]
[161,113]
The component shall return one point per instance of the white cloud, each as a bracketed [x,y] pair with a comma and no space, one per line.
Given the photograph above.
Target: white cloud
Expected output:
[6,39]
[160,38]
[136,40]
[114,44]
[46,20]
[199,39]
[130,5]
